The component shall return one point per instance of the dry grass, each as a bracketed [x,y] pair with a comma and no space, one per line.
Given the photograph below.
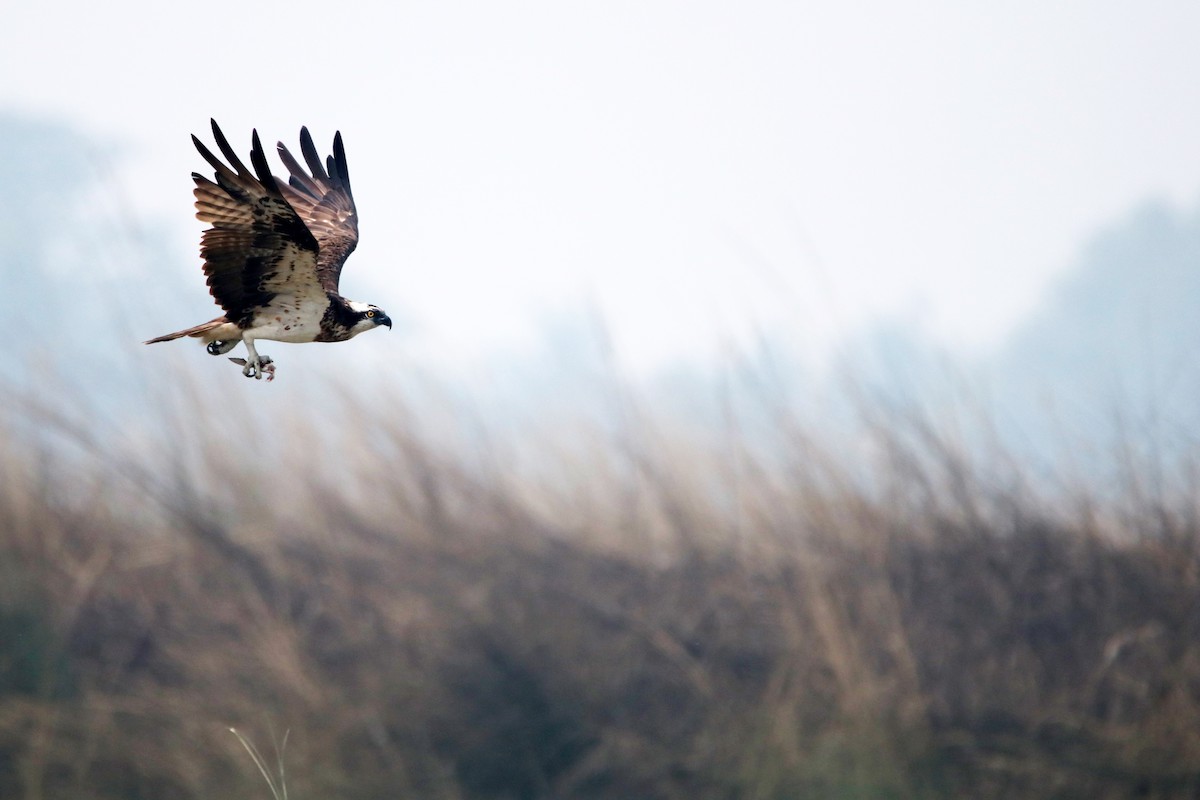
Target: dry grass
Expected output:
[653,618]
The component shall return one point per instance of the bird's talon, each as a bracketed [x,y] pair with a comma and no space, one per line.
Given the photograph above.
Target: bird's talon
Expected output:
[264,367]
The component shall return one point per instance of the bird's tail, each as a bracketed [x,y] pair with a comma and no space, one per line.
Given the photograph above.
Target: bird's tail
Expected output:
[197,330]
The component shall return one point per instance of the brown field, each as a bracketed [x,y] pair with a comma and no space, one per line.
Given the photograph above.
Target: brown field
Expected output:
[639,614]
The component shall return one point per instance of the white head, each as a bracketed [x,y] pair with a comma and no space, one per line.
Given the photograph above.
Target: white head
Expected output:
[369,317]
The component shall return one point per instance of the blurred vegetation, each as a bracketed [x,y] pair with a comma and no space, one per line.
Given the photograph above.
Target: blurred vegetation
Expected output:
[583,596]
[658,616]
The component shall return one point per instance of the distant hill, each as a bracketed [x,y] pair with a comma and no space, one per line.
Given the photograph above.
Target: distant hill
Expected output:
[84,279]
[63,246]
[43,176]
[1111,354]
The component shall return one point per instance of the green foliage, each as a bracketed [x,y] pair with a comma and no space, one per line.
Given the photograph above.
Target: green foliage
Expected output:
[33,662]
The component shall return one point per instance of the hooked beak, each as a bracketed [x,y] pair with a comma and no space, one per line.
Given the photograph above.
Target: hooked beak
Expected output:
[384,319]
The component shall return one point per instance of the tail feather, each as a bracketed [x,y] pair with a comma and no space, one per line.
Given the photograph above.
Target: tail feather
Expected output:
[197,330]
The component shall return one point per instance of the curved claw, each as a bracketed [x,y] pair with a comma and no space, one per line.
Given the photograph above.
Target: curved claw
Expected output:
[256,369]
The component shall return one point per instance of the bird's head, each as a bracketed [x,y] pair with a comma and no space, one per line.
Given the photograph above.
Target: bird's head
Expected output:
[369,317]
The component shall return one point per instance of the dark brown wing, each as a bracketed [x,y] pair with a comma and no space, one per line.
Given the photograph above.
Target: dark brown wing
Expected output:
[322,198]
[258,246]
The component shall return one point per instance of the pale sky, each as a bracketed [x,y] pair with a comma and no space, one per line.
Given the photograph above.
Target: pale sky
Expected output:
[697,170]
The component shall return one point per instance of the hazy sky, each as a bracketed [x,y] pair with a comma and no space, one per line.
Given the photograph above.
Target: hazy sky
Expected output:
[697,170]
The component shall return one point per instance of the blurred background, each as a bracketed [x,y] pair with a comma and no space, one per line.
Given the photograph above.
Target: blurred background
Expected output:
[783,402]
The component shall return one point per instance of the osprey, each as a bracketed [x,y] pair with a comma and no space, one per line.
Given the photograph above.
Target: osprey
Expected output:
[275,251]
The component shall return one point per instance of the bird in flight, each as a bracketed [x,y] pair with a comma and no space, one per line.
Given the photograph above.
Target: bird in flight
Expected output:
[275,251]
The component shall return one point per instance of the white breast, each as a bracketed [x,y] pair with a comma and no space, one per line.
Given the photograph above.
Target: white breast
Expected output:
[288,320]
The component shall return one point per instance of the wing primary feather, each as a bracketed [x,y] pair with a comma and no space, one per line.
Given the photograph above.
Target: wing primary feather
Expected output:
[221,168]
[339,155]
[299,178]
[259,159]
[309,150]
[228,151]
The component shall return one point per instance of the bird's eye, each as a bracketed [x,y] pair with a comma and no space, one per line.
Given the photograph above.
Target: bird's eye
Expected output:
[370,314]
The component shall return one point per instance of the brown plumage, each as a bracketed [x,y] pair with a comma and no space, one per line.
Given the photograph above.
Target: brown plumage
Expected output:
[324,202]
[274,253]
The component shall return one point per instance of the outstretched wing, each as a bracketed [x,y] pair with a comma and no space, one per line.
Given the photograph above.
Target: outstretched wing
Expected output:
[322,198]
[258,246]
